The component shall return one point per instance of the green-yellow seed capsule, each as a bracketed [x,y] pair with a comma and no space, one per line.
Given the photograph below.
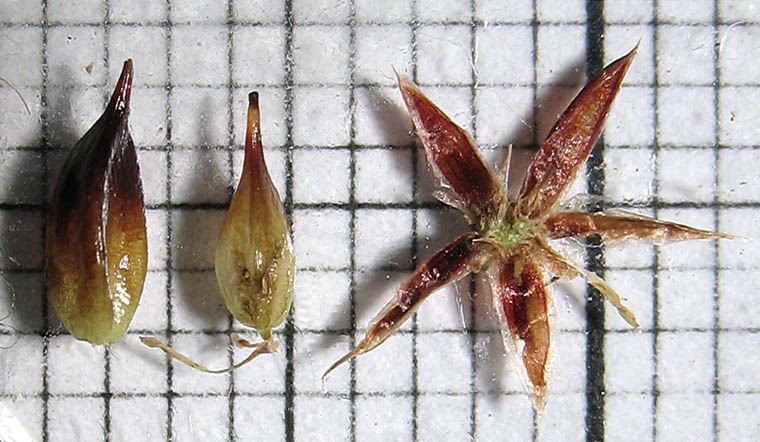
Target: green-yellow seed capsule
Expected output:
[255,261]
[96,250]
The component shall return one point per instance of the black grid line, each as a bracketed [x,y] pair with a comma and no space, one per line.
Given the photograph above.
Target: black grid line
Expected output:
[169,428]
[371,84]
[651,203]
[595,308]
[352,220]
[232,391]
[716,255]
[444,330]
[656,257]
[359,147]
[472,329]
[416,162]
[107,354]
[289,411]
[45,142]
[480,23]
[415,25]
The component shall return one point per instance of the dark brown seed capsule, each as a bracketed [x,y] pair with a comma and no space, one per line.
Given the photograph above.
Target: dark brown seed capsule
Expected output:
[96,250]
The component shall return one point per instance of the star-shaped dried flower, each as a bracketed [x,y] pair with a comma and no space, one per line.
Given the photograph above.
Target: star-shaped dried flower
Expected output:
[511,239]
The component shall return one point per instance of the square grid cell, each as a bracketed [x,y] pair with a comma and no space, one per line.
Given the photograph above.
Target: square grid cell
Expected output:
[358,190]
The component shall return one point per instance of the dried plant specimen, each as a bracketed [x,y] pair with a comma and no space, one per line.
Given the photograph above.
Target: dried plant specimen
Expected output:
[511,238]
[96,251]
[255,260]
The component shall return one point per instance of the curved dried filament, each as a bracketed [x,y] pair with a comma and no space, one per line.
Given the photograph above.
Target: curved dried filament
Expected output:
[596,282]
[451,263]
[268,346]
[619,225]
[21,97]
[570,141]
[452,154]
[523,305]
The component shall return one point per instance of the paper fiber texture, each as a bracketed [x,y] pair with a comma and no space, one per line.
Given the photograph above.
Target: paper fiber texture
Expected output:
[681,144]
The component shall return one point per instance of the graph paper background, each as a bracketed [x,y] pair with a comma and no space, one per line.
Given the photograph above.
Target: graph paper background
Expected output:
[681,144]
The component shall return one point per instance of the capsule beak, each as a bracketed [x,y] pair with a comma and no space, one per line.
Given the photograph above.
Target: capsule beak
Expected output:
[119,103]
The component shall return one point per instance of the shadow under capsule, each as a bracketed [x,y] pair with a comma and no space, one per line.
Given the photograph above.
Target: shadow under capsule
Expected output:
[195,229]
[31,180]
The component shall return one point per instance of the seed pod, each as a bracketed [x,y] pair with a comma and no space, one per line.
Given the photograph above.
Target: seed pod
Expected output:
[255,260]
[96,251]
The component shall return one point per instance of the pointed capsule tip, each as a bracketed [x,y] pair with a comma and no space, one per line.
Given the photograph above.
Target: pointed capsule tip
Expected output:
[253,100]
[254,117]
[123,91]
[253,130]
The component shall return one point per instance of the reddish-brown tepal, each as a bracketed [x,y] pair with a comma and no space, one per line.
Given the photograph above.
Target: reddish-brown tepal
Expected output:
[511,239]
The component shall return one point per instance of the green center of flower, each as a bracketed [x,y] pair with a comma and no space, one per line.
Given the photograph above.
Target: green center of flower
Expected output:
[509,235]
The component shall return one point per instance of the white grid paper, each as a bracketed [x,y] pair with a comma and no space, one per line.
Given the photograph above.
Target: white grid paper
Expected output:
[681,144]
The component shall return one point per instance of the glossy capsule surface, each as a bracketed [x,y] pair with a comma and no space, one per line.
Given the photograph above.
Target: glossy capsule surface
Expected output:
[96,242]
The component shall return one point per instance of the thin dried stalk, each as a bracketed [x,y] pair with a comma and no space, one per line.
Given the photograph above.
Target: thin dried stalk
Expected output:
[268,346]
